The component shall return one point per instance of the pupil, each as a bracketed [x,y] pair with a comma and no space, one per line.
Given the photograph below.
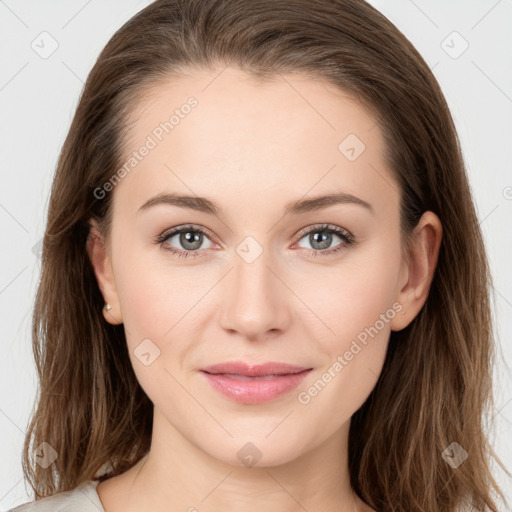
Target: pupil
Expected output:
[190,240]
[324,242]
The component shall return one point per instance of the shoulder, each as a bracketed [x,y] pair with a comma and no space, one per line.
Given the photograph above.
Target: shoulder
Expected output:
[83,498]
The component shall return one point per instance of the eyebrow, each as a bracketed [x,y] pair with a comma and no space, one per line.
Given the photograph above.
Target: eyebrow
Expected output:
[202,204]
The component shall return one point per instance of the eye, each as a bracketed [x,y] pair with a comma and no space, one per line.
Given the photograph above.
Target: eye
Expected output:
[321,238]
[189,237]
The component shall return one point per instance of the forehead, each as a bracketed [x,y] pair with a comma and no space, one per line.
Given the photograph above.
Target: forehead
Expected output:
[225,133]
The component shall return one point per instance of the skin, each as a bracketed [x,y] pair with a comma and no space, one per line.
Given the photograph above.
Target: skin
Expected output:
[252,147]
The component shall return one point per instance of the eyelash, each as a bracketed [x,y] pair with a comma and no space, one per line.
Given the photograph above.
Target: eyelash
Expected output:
[348,239]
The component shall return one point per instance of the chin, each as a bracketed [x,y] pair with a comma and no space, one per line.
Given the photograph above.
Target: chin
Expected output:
[257,450]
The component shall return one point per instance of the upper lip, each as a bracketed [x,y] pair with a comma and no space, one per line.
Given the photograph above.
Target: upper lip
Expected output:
[254,370]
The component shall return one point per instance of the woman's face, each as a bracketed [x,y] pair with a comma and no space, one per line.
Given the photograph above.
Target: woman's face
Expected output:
[256,276]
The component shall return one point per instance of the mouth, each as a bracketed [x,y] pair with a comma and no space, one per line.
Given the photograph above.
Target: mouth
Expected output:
[245,377]
[242,369]
[254,384]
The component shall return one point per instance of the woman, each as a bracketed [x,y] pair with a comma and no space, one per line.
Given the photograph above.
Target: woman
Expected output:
[263,277]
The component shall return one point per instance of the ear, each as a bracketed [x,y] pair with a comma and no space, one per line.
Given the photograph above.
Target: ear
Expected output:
[418,271]
[100,260]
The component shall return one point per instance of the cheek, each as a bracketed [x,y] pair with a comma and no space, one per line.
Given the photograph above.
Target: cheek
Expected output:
[357,303]
[149,291]
[354,355]
[161,302]
[151,305]
[351,297]
[356,352]
[140,296]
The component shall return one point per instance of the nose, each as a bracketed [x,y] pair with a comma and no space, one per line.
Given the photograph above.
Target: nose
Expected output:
[256,304]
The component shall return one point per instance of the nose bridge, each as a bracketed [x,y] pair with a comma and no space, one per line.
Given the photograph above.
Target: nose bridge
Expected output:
[255,300]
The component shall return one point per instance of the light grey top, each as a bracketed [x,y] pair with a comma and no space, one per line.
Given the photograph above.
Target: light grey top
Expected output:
[83,498]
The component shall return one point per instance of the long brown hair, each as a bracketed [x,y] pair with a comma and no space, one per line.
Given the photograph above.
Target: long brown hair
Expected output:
[435,387]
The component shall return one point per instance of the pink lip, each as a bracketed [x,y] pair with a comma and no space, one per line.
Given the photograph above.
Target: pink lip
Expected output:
[245,383]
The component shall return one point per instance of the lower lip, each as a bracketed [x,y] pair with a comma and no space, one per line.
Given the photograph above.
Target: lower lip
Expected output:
[255,391]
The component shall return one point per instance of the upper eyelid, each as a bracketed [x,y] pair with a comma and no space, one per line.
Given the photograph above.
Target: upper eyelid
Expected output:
[323,227]
[185,227]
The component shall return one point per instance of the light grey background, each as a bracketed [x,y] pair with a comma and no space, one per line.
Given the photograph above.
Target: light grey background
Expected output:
[39,92]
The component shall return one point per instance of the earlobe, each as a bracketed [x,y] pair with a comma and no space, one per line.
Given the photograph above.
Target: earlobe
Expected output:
[100,261]
[419,269]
